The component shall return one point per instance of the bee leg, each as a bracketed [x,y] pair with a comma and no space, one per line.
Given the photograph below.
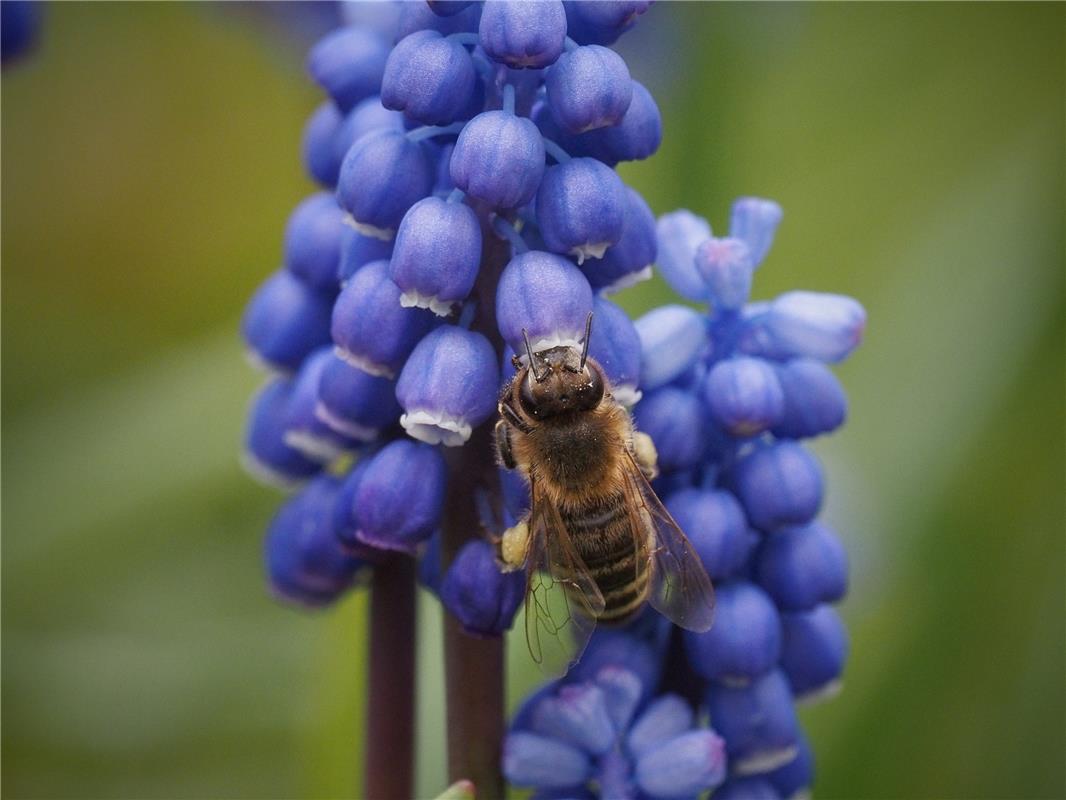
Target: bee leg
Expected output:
[645,455]
[513,546]
[512,418]
[503,445]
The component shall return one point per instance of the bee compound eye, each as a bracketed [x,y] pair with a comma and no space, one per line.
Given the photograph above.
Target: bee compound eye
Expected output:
[526,397]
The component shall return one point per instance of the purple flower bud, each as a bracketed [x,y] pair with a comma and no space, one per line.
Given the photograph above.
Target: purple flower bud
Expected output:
[371,329]
[285,320]
[437,254]
[313,241]
[635,138]
[757,722]
[679,234]
[357,251]
[630,260]
[797,775]
[753,788]
[429,78]
[354,402]
[602,22]
[589,88]
[622,691]
[547,296]
[481,597]
[815,402]
[803,567]
[672,339]
[745,640]
[666,717]
[400,496]
[726,268]
[581,207]
[683,767]
[815,647]
[577,715]
[266,455]
[532,760]
[304,560]
[615,345]
[367,116]
[305,431]
[676,422]
[523,35]
[822,326]
[744,396]
[348,63]
[448,386]
[499,158]
[755,221]
[317,145]
[779,485]
[714,523]
[383,175]
[419,16]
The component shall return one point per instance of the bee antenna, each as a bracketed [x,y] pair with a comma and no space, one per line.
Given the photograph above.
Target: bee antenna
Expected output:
[532,362]
[585,341]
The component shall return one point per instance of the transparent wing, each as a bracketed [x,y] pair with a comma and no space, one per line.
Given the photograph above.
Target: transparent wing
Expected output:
[680,589]
[562,599]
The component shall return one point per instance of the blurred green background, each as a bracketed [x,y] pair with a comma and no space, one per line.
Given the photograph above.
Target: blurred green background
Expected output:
[150,158]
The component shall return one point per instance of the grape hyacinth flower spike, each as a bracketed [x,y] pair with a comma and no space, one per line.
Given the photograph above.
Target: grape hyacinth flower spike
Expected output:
[471,211]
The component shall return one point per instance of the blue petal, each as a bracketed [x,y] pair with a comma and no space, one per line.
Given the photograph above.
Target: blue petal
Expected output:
[581,208]
[474,590]
[537,761]
[304,430]
[726,268]
[815,649]
[672,340]
[354,402]
[577,715]
[623,691]
[755,221]
[676,422]
[745,640]
[666,717]
[683,766]
[630,260]
[267,456]
[523,34]
[636,137]
[757,722]
[680,233]
[499,158]
[744,395]
[400,496]
[313,241]
[803,567]
[779,485]
[547,296]
[795,777]
[714,523]
[615,344]
[589,88]
[317,144]
[285,320]
[429,78]
[348,63]
[815,402]
[823,326]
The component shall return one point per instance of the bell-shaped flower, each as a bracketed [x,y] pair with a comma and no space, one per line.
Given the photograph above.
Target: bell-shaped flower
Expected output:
[635,138]
[615,344]
[523,35]
[815,402]
[478,594]
[757,722]
[676,422]
[285,320]
[745,640]
[602,23]
[581,207]
[744,395]
[313,239]
[499,158]
[726,268]
[822,326]
[802,567]
[628,261]
[815,647]
[587,88]
[755,221]
[778,485]
[304,430]
[428,77]
[672,340]
[545,295]
[714,523]
[358,250]
[348,63]
[267,456]
[353,402]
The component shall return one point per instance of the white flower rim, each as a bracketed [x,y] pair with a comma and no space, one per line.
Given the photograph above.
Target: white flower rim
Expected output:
[267,475]
[434,427]
[589,250]
[824,692]
[363,363]
[766,761]
[628,280]
[441,308]
[317,448]
[356,431]
[626,394]
[374,232]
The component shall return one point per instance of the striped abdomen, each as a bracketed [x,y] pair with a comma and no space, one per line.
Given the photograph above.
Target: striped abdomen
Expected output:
[603,537]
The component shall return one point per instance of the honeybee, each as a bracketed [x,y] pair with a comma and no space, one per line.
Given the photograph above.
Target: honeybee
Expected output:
[595,530]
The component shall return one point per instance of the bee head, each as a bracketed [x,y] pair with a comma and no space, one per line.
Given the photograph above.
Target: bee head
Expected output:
[561,380]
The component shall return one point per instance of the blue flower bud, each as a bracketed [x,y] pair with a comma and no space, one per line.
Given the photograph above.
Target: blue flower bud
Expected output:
[815,402]
[317,144]
[357,251]
[794,778]
[448,8]
[744,396]
[419,16]
[482,598]
[448,386]
[778,485]
[285,320]
[303,429]
[822,326]
[803,567]
[665,717]
[622,691]
[589,87]
[679,234]
[615,345]
[753,788]
[757,722]
[683,767]
[577,715]
[383,175]
[532,760]
[429,78]
[499,158]
[313,240]
[304,560]
[523,35]
[636,137]
[745,640]
[266,454]
[354,402]
[400,496]
[630,260]
[815,647]
[343,513]
[714,523]
[348,63]
[367,116]
[437,254]
[371,329]
[602,22]
[547,296]
[726,268]
[676,422]
[672,339]
[620,649]
[581,207]
[755,221]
